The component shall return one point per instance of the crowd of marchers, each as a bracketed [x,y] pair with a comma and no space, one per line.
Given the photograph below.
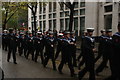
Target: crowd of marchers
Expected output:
[49,45]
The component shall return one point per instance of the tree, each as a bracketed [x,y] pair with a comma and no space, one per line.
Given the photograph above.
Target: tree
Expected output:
[71,6]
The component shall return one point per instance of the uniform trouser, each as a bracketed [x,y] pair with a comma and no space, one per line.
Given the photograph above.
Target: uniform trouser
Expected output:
[23,49]
[74,58]
[57,52]
[103,64]
[4,46]
[99,55]
[81,63]
[30,51]
[50,57]
[89,67]
[13,54]
[63,61]
[37,54]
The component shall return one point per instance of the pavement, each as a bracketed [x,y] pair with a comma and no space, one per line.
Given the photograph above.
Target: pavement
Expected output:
[30,69]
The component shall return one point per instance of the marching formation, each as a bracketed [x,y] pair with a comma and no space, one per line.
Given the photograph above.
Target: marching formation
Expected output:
[48,45]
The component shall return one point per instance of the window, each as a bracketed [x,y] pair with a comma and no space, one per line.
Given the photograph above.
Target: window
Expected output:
[75,24]
[109,1]
[62,24]
[50,6]
[44,9]
[61,14]
[40,16]
[54,24]
[66,24]
[108,8]
[82,25]
[50,24]
[76,4]
[66,13]
[40,25]
[40,7]
[75,12]
[44,16]
[108,21]
[82,11]
[50,15]
[82,4]
[44,25]
[54,6]
[54,15]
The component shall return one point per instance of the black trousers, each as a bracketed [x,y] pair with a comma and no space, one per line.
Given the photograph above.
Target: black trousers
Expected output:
[30,51]
[59,49]
[37,54]
[103,64]
[81,63]
[50,56]
[69,61]
[11,51]
[89,67]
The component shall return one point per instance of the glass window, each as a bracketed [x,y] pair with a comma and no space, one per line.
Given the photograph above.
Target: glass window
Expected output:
[44,9]
[50,24]
[44,16]
[108,8]
[54,15]
[66,24]
[82,25]
[75,12]
[40,16]
[82,4]
[54,24]
[54,6]
[40,25]
[61,24]
[66,13]
[50,15]
[82,11]
[75,24]
[40,7]
[108,21]
[44,25]
[61,14]
[50,6]
[76,4]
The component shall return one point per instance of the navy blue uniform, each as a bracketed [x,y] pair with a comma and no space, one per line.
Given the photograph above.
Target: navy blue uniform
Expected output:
[49,51]
[66,56]
[4,41]
[39,46]
[88,55]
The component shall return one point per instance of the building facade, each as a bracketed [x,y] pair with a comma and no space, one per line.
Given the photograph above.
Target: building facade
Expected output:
[98,15]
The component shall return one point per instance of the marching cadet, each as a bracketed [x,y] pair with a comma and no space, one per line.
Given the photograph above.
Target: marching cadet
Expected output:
[66,54]
[115,69]
[30,45]
[108,49]
[73,48]
[59,45]
[11,45]
[17,36]
[49,49]
[88,55]
[4,40]
[39,46]
[101,48]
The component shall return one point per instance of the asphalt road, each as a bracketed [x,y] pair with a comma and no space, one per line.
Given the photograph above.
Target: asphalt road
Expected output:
[30,69]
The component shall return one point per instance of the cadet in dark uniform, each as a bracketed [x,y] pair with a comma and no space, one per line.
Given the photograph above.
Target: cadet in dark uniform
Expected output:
[39,46]
[66,53]
[4,40]
[49,47]
[59,45]
[115,68]
[108,46]
[11,45]
[88,55]
[73,48]
[17,36]
[101,49]
[30,46]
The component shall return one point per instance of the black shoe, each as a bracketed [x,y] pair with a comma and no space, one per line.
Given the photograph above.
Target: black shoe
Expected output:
[73,75]
[15,62]
[54,69]
[60,71]
[106,67]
